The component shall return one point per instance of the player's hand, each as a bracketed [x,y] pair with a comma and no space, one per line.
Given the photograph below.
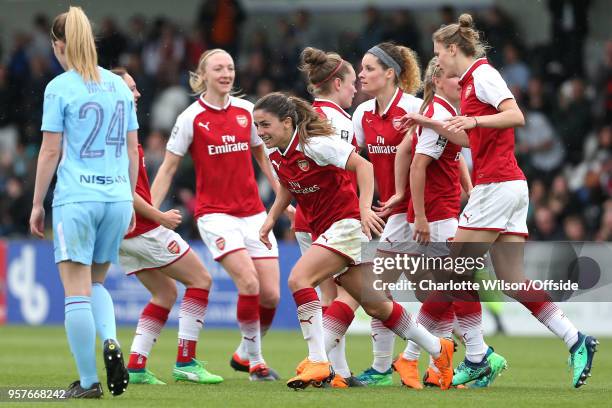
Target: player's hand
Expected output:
[385,207]
[37,222]
[411,119]
[264,232]
[290,213]
[171,219]
[458,123]
[371,223]
[421,232]
[132,225]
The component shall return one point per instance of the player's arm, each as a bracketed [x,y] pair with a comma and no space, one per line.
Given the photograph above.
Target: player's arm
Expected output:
[164,177]
[266,168]
[403,157]
[281,202]
[48,157]
[509,116]
[464,176]
[418,171]
[264,164]
[132,150]
[169,219]
[364,170]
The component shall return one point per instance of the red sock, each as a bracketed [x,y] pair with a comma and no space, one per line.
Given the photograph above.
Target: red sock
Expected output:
[191,318]
[266,316]
[151,321]
[336,321]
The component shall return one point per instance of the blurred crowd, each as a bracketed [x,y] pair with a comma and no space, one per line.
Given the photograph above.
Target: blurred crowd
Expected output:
[564,148]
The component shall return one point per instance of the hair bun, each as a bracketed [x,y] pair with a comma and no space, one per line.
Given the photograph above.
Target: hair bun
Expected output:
[313,56]
[466,20]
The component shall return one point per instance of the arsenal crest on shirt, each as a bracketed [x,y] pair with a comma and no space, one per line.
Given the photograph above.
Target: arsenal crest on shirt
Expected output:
[173,247]
[397,122]
[468,90]
[220,242]
[303,165]
[242,120]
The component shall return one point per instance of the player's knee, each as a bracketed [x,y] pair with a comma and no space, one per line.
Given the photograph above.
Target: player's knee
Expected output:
[374,309]
[201,280]
[248,284]
[269,299]
[165,298]
[296,282]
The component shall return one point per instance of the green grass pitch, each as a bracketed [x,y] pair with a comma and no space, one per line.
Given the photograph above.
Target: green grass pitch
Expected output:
[537,374]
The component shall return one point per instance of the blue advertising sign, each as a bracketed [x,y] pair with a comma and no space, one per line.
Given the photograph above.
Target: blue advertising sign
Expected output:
[35,295]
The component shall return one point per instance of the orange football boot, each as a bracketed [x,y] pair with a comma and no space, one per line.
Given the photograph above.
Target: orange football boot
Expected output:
[408,371]
[313,373]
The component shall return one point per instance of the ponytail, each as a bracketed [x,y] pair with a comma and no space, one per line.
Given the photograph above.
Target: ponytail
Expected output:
[429,88]
[304,118]
[74,29]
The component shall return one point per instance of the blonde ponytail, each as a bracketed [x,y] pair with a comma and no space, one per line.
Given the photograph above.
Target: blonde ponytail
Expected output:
[74,29]
[409,79]
[429,88]
[464,35]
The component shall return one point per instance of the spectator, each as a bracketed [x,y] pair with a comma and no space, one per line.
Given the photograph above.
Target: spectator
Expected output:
[111,44]
[514,71]
[603,84]
[574,229]
[221,21]
[404,30]
[605,230]
[540,150]
[373,29]
[574,119]
[546,227]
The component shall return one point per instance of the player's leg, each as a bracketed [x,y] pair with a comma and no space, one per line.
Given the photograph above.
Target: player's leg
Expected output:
[225,237]
[152,320]
[111,228]
[336,320]
[190,271]
[507,255]
[360,284]
[268,272]
[316,265]
[80,327]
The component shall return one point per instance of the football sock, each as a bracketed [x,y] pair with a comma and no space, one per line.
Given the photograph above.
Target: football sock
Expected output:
[81,332]
[191,320]
[103,312]
[310,317]
[150,324]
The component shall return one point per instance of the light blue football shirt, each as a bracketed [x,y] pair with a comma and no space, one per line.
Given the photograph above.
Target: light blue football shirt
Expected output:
[94,119]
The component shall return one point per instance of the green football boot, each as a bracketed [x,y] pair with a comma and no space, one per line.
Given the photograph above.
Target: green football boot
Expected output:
[195,373]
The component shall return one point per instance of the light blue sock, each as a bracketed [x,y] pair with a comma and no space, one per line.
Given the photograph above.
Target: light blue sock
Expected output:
[103,312]
[81,332]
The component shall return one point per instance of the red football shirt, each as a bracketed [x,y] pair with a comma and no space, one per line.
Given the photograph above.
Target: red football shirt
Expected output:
[341,121]
[317,180]
[380,134]
[219,140]
[482,90]
[442,182]
[142,189]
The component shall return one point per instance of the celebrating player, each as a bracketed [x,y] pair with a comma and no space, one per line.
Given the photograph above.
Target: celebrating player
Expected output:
[312,168]
[332,82]
[89,119]
[159,256]
[496,212]
[391,75]
[437,173]
[218,132]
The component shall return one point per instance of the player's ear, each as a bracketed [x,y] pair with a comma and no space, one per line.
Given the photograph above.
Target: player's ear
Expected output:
[287,123]
[337,84]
